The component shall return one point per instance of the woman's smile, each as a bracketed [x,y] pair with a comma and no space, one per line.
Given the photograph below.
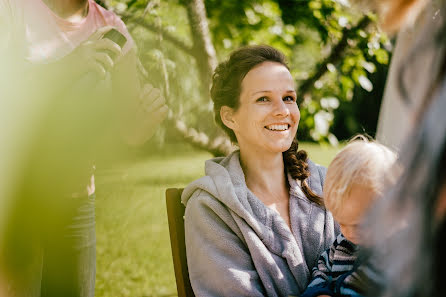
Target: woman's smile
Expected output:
[278,127]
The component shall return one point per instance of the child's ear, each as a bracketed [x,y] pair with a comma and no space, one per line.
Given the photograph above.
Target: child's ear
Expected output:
[227,117]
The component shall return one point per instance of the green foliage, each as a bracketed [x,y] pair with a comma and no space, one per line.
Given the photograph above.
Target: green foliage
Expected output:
[305,30]
[237,23]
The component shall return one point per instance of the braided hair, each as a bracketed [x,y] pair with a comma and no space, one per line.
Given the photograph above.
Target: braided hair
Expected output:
[226,89]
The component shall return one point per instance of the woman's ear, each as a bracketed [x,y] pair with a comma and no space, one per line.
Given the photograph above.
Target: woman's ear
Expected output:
[227,117]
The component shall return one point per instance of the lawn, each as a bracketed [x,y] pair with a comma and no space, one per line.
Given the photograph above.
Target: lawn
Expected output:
[133,247]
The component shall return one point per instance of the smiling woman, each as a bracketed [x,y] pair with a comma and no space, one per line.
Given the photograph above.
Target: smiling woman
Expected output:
[255,224]
[269,98]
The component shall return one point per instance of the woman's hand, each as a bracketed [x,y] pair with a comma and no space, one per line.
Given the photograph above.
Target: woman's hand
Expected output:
[93,55]
[85,65]
[150,112]
[152,101]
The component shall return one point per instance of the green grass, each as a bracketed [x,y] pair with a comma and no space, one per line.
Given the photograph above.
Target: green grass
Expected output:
[133,247]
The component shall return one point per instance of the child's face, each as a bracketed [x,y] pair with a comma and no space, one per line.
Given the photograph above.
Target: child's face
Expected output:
[352,212]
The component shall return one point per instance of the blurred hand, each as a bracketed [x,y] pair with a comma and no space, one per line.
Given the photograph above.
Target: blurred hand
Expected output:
[151,111]
[153,103]
[94,54]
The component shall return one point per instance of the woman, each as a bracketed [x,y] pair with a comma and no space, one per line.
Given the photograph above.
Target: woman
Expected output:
[255,224]
[75,87]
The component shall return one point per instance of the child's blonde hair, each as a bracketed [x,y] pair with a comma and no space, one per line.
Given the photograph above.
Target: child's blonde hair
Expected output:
[363,163]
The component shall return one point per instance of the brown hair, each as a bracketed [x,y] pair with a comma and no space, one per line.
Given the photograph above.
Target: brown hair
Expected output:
[226,89]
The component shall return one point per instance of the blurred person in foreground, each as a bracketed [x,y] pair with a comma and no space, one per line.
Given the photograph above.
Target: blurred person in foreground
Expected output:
[416,65]
[411,260]
[411,218]
[67,91]
[358,176]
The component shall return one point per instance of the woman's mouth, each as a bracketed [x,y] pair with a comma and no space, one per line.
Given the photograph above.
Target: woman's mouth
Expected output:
[278,127]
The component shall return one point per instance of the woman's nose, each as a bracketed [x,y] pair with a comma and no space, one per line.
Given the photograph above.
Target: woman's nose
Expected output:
[280,108]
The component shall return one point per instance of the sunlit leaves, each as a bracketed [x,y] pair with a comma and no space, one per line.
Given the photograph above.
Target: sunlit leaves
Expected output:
[382,56]
[305,30]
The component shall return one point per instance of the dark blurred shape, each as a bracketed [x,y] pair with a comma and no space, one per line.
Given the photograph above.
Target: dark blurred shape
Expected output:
[408,225]
[62,117]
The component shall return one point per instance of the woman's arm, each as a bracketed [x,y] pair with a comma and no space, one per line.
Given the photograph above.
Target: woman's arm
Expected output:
[143,107]
[218,260]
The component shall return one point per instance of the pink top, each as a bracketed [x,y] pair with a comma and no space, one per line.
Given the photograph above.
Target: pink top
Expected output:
[51,37]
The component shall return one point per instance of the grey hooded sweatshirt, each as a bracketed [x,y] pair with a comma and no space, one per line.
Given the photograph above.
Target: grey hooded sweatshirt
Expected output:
[237,246]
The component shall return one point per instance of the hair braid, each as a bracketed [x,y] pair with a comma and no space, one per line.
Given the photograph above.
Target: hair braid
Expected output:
[296,164]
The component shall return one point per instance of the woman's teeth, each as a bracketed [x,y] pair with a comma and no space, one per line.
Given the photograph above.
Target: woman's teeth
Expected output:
[277,127]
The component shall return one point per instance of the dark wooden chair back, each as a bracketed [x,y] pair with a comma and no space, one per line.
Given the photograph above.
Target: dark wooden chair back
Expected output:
[175,216]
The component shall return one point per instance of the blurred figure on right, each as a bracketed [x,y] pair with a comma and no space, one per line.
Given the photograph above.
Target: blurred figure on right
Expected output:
[408,227]
[412,217]
[417,64]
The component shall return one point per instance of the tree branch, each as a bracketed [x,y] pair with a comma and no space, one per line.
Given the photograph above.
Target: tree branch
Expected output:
[336,54]
[204,50]
[219,146]
[166,35]
[128,17]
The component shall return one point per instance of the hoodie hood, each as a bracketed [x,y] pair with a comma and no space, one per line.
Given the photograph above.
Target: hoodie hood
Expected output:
[225,181]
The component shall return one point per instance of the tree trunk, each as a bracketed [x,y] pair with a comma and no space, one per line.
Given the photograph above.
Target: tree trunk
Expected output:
[203,48]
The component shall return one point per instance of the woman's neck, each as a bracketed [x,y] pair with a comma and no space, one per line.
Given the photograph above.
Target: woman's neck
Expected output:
[68,9]
[264,173]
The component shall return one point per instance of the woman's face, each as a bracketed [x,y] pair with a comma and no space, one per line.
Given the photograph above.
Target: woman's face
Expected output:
[268,116]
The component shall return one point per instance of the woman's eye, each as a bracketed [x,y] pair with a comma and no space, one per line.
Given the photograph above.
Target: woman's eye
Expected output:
[262,99]
[289,98]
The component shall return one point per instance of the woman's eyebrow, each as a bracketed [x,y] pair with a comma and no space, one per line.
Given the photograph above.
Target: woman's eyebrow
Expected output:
[263,91]
[269,91]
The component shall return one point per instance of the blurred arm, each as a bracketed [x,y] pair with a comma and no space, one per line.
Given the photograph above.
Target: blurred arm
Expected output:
[142,106]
